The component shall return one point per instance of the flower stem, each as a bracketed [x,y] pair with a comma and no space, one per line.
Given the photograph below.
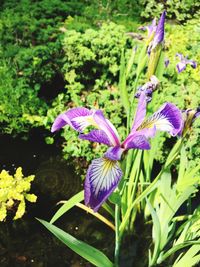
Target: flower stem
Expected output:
[117,237]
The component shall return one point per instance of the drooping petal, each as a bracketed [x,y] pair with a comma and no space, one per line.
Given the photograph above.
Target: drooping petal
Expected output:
[141,111]
[114,153]
[101,180]
[180,66]
[168,118]
[107,127]
[78,118]
[136,141]
[98,136]
[60,122]
[192,63]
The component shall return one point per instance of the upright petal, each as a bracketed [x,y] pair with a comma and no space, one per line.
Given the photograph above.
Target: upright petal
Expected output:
[78,118]
[98,136]
[101,180]
[160,31]
[141,111]
[168,118]
[107,127]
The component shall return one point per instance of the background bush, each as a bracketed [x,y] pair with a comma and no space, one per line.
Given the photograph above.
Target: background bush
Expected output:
[60,54]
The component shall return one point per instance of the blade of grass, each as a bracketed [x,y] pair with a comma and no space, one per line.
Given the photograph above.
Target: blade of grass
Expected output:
[86,251]
[68,205]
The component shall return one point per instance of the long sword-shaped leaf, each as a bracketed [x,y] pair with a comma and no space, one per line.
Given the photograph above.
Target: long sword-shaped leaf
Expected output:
[86,251]
[68,205]
[122,84]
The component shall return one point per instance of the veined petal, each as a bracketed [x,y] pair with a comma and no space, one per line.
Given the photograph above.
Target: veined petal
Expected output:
[168,118]
[78,118]
[107,127]
[141,111]
[114,153]
[136,141]
[98,136]
[101,180]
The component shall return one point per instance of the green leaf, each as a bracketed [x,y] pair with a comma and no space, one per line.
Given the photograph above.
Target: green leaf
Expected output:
[161,66]
[86,251]
[122,85]
[156,234]
[190,258]
[68,205]
[115,198]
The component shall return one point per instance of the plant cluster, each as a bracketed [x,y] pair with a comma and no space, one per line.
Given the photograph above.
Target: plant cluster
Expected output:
[92,72]
[123,180]
[14,193]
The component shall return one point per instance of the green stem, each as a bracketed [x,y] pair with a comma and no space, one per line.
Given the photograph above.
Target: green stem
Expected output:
[117,237]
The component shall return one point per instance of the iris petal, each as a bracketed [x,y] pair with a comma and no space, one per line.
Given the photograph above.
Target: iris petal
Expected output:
[181,66]
[141,111]
[168,118]
[114,153]
[136,141]
[98,136]
[107,127]
[77,118]
[101,180]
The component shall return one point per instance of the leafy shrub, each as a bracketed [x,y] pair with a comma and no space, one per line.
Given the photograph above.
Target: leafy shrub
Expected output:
[180,10]
[20,107]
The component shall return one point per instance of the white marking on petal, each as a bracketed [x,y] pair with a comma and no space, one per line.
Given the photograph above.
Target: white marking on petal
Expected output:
[105,172]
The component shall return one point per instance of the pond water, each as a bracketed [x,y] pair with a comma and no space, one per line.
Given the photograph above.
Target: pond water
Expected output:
[25,242]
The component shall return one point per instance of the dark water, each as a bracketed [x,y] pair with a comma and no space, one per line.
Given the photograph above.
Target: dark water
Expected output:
[25,242]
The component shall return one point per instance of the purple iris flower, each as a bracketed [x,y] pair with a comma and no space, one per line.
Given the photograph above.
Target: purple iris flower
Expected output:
[148,88]
[104,173]
[151,29]
[184,61]
[156,33]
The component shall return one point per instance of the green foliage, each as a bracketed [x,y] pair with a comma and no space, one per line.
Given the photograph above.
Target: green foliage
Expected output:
[180,10]
[19,107]
[92,64]
[181,89]
[93,255]
[14,192]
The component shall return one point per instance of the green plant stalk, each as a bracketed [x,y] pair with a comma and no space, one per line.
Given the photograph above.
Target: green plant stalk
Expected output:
[117,236]
[173,154]
[171,251]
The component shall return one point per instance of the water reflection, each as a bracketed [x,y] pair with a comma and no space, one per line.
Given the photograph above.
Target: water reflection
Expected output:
[25,242]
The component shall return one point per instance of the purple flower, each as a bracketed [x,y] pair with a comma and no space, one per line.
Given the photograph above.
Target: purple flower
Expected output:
[184,61]
[104,173]
[151,29]
[160,31]
[155,33]
[148,88]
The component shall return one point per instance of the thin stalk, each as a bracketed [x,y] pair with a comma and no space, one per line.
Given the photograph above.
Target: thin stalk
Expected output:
[117,236]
